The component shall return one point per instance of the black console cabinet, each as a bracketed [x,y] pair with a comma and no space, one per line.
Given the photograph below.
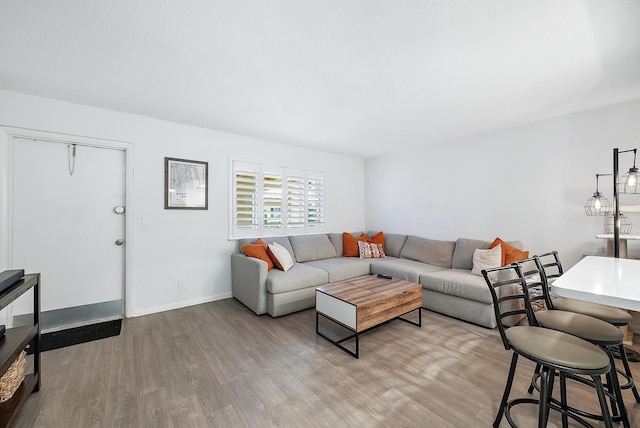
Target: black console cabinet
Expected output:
[15,341]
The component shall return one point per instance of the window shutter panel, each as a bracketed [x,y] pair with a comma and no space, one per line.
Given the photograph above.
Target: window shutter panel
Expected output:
[295,202]
[272,192]
[246,199]
[315,201]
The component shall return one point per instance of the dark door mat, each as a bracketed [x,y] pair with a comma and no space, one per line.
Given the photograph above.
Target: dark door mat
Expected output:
[77,335]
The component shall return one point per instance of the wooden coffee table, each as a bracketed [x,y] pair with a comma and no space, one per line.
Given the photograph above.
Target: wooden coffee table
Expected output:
[364,303]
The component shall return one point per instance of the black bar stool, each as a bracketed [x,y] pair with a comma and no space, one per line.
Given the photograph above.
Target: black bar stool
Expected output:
[554,351]
[593,330]
[552,268]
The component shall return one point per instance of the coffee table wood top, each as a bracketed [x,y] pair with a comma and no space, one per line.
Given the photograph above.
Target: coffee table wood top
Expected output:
[365,288]
[376,300]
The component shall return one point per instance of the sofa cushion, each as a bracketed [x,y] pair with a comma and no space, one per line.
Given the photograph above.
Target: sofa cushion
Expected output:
[312,247]
[301,275]
[408,270]
[463,254]
[457,282]
[393,244]
[336,240]
[341,268]
[431,251]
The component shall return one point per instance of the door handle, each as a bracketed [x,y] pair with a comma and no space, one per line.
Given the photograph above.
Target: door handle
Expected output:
[119,242]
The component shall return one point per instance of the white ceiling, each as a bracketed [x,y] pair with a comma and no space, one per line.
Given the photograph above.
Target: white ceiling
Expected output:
[359,77]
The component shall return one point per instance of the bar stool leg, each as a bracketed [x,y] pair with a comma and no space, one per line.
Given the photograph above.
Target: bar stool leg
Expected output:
[627,370]
[507,391]
[617,405]
[603,402]
[612,390]
[546,383]
[533,378]
[563,399]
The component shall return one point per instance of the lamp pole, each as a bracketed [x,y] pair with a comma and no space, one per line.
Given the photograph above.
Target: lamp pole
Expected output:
[616,207]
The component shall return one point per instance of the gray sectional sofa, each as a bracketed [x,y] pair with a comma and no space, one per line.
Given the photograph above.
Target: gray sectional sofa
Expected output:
[443,268]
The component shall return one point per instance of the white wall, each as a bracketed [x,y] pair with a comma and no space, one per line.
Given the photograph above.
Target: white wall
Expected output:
[525,183]
[189,245]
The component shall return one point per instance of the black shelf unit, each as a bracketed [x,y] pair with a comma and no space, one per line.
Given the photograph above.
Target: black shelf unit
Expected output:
[15,341]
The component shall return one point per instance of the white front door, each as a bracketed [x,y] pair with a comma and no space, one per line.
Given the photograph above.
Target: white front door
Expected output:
[66,224]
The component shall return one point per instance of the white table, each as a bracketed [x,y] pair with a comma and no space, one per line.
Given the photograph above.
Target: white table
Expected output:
[606,280]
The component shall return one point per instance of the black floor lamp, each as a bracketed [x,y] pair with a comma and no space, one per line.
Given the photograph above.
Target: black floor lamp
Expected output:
[616,205]
[628,183]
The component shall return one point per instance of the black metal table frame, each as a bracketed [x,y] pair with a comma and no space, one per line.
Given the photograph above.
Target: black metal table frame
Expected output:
[357,335]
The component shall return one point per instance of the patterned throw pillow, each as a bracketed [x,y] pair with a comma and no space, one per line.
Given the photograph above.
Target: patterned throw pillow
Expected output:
[378,238]
[369,250]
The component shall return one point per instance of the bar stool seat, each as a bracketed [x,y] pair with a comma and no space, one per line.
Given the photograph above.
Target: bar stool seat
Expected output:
[606,313]
[541,344]
[586,327]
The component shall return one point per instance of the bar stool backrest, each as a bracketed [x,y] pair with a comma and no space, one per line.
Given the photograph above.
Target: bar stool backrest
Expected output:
[550,268]
[510,297]
[537,284]
[551,265]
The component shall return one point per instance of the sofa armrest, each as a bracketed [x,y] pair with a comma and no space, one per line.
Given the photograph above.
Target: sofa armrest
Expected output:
[249,282]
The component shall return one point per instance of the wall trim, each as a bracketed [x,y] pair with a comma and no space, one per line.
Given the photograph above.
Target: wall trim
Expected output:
[183,304]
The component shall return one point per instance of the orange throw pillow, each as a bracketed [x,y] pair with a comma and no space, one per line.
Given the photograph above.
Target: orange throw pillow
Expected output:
[378,238]
[350,244]
[510,253]
[258,250]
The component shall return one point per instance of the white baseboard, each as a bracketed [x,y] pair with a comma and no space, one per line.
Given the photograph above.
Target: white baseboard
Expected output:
[178,305]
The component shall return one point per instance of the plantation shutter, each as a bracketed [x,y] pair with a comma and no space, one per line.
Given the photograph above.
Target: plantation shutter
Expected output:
[296,187]
[267,201]
[315,201]
[246,199]
[272,202]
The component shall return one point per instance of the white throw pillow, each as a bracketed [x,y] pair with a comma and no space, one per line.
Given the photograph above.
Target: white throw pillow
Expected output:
[486,259]
[284,259]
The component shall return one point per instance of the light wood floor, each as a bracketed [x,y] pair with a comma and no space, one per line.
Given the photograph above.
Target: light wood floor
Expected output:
[218,364]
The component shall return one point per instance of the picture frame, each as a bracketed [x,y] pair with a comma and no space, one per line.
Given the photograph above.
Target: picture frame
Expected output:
[186,184]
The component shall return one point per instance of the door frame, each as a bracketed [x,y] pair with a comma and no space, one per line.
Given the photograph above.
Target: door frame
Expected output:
[6,195]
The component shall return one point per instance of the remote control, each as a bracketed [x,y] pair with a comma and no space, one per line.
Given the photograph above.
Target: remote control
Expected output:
[383,276]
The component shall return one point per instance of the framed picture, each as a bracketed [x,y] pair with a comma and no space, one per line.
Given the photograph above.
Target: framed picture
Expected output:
[186,184]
